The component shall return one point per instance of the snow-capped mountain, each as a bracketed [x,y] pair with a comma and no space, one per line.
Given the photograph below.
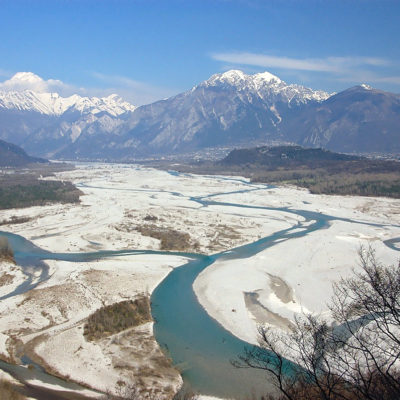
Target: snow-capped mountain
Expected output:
[231,108]
[53,103]
[43,122]
[228,109]
[268,86]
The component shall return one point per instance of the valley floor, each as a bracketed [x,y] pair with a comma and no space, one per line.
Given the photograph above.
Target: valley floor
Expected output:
[120,206]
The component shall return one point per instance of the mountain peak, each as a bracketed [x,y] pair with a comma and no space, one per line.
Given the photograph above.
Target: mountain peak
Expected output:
[114,98]
[232,77]
[233,74]
[264,85]
[266,77]
[237,77]
[366,87]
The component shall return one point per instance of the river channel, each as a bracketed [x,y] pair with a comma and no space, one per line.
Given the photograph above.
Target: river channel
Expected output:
[198,345]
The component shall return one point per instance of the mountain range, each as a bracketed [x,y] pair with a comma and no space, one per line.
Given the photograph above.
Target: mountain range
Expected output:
[227,110]
[359,119]
[45,123]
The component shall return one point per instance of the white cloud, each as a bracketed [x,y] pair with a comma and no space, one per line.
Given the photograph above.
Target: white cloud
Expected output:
[29,81]
[336,65]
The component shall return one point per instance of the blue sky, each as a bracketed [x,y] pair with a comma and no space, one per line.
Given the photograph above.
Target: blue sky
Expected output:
[145,50]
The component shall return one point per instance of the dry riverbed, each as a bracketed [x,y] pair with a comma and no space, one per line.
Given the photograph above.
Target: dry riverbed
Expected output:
[123,207]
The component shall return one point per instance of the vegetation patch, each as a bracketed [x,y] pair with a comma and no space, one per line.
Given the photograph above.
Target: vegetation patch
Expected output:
[170,239]
[117,317]
[6,252]
[38,193]
[15,220]
[321,182]
[150,217]
[6,279]
[25,188]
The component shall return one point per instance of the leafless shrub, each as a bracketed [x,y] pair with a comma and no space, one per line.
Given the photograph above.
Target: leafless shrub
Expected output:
[356,358]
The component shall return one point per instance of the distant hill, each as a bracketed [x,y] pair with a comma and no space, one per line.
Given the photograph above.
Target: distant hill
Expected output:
[319,170]
[13,156]
[285,156]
